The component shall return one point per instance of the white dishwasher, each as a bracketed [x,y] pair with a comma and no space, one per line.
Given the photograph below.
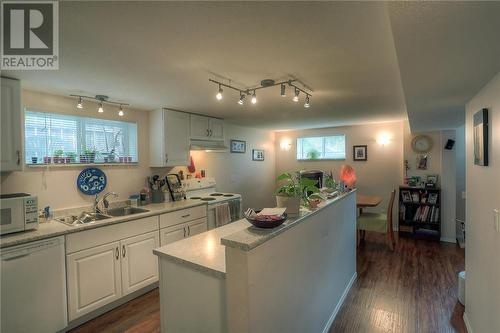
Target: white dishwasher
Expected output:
[33,291]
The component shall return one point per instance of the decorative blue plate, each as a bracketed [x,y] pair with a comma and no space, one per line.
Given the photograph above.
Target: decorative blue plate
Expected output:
[91,181]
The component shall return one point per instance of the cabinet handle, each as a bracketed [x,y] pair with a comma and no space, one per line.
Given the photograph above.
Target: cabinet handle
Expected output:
[166,158]
[208,132]
[18,153]
[117,253]
[123,251]
[184,231]
[189,230]
[184,216]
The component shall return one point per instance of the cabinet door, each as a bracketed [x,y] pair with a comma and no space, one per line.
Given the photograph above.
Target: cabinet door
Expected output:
[199,127]
[11,122]
[196,227]
[176,136]
[139,264]
[173,234]
[216,127]
[94,278]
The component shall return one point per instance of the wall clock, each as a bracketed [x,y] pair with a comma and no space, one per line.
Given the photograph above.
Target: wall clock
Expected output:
[421,143]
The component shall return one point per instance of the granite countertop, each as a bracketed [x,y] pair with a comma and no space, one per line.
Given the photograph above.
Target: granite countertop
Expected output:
[251,237]
[203,252]
[54,228]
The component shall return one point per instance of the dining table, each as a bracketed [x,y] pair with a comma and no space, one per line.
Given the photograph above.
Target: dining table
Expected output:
[364,201]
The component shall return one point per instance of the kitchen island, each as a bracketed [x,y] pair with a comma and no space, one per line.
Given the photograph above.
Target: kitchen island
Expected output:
[238,278]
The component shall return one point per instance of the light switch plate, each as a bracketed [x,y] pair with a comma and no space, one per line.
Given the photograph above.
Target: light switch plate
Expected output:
[496,220]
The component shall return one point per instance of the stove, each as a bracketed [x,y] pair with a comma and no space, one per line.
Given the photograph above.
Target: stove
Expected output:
[204,190]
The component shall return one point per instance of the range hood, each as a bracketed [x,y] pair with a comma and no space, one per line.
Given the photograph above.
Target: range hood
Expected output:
[208,145]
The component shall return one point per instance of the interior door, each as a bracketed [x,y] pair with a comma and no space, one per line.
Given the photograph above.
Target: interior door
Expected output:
[139,264]
[11,122]
[177,138]
[216,129]
[197,226]
[94,278]
[172,234]
[199,127]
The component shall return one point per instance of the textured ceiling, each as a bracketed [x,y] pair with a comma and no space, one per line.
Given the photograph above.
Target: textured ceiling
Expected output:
[154,54]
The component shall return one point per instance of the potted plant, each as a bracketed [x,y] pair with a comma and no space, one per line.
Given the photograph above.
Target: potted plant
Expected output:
[70,157]
[58,156]
[294,190]
[313,154]
[47,159]
[89,155]
[34,160]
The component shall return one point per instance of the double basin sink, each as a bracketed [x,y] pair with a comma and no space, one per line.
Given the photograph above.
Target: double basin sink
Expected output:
[87,217]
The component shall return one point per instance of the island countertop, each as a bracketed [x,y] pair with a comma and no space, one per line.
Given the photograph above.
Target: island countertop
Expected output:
[206,252]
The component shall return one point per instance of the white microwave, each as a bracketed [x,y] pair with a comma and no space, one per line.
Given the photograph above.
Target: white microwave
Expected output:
[18,212]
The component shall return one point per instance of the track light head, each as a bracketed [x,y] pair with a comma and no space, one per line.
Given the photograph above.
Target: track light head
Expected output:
[283,90]
[306,104]
[242,99]
[296,97]
[120,112]
[254,98]
[219,93]
[79,105]
[100,109]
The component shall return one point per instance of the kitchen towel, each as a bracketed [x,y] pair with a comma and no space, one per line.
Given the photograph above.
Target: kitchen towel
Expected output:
[222,214]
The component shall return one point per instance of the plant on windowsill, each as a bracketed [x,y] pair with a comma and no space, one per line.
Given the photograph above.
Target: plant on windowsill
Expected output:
[294,190]
[313,154]
[70,157]
[58,156]
[88,156]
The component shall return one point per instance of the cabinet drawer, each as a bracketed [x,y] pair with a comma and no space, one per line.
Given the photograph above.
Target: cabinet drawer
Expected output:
[183,215]
[103,235]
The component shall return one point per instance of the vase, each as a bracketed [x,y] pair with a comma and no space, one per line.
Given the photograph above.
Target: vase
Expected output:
[292,204]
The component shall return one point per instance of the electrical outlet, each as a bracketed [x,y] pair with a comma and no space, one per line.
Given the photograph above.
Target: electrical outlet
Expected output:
[496,220]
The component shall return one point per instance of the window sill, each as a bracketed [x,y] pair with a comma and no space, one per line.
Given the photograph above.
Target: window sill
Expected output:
[320,159]
[77,165]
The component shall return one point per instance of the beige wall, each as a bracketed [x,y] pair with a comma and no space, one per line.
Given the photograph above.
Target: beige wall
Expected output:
[55,186]
[482,260]
[378,176]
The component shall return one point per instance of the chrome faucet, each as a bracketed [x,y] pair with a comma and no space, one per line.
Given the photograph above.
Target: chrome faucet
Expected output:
[104,201]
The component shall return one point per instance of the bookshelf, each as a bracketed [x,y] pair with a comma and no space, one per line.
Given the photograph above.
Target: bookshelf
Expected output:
[420,211]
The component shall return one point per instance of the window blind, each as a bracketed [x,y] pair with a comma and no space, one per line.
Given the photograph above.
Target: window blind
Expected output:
[321,147]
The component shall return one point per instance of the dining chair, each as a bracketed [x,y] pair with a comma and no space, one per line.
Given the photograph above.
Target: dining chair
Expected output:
[378,222]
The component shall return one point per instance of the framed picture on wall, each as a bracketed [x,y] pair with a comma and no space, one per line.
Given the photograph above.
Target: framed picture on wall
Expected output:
[480,134]
[238,146]
[257,155]
[360,153]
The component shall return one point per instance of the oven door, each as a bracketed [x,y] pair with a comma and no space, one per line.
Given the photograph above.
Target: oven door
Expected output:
[11,215]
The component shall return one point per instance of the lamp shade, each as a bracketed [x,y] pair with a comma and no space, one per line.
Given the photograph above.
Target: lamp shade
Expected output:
[347,175]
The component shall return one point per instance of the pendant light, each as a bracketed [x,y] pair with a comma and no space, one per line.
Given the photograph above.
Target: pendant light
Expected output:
[306,104]
[79,105]
[242,99]
[283,90]
[100,109]
[120,112]
[296,97]
[219,93]
[254,98]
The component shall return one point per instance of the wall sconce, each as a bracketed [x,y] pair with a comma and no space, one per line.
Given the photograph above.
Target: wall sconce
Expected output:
[383,138]
[285,144]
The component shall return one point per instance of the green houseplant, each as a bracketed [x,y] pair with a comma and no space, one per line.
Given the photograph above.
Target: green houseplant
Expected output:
[293,190]
[58,156]
[70,157]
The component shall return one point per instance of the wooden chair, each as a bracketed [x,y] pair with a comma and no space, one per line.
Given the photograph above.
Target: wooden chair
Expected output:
[378,222]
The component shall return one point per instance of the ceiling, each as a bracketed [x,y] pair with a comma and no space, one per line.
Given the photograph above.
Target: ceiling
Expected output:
[364,61]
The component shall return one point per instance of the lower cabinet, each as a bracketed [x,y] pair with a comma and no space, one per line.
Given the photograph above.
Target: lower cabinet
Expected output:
[177,232]
[103,274]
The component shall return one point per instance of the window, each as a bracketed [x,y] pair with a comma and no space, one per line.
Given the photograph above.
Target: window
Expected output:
[59,138]
[321,148]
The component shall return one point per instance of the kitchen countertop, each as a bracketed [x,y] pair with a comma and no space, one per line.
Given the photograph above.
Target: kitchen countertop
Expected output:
[54,228]
[206,252]
[203,252]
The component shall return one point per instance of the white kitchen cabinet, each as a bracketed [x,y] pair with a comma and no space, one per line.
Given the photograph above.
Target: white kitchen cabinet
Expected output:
[169,138]
[184,230]
[94,278]
[11,126]
[206,128]
[139,265]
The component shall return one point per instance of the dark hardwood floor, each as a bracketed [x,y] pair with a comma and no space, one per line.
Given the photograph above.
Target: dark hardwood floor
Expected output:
[412,289]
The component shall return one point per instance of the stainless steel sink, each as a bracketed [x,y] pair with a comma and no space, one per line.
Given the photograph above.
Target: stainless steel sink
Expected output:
[124,211]
[84,218]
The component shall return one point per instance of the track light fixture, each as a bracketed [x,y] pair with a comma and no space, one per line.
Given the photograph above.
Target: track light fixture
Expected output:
[102,99]
[306,104]
[219,93]
[296,97]
[267,83]
[242,99]
[254,98]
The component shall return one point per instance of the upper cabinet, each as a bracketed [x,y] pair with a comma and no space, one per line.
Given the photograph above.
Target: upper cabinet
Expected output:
[11,126]
[206,128]
[168,138]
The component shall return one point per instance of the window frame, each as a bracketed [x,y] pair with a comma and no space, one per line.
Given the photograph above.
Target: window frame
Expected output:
[81,122]
[323,147]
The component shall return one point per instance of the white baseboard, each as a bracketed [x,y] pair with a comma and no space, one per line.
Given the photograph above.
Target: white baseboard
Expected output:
[448,240]
[339,304]
[467,323]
